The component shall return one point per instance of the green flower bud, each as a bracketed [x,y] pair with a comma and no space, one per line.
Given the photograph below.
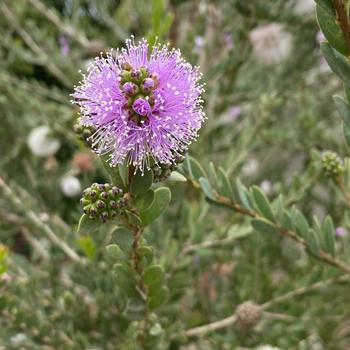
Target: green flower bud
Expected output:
[102,201]
[332,164]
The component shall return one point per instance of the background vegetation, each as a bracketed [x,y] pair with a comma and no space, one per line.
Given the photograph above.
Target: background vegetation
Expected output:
[268,124]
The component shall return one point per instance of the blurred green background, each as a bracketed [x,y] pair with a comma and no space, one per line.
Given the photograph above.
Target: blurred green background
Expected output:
[269,108]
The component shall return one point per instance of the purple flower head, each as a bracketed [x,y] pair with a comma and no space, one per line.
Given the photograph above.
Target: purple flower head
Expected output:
[156,122]
[141,107]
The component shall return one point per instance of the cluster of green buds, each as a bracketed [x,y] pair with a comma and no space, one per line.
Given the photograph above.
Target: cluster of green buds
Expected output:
[162,171]
[84,132]
[332,164]
[138,86]
[103,201]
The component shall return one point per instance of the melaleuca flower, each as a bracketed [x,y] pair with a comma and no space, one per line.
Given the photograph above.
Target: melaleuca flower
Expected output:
[143,102]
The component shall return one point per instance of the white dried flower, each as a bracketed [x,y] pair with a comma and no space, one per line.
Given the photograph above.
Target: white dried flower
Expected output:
[41,143]
[18,339]
[304,7]
[70,186]
[266,186]
[250,167]
[267,347]
[271,43]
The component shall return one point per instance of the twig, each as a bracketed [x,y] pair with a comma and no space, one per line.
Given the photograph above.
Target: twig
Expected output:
[208,244]
[37,246]
[35,220]
[137,232]
[227,322]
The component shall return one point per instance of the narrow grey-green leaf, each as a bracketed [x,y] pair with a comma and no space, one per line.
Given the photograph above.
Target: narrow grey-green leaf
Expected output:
[313,244]
[343,108]
[327,5]
[262,203]
[331,30]
[301,224]
[225,184]
[207,189]
[195,169]
[338,63]
[243,195]
[328,232]
[263,226]
[346,132]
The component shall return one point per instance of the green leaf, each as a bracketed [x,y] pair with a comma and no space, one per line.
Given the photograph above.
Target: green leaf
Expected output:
[338,63]
[154,276]
[343,108]
[124,238]
[313,244]
[346,132]
[263,226]
[143,202]
[331,30]
[328,232]
[212,174]
[158,297]
[135,309]
[286,220]
[176,176]
[162,196]
[146,254]
[301,224]
[225,184]
[194,169]
[115,253]
[243,194]
[140,183]
[133,218]
[262,203]
[87,225]
[125,279]
[326,5]
[113,172]
[207,189]
[87,246]
[124,174]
